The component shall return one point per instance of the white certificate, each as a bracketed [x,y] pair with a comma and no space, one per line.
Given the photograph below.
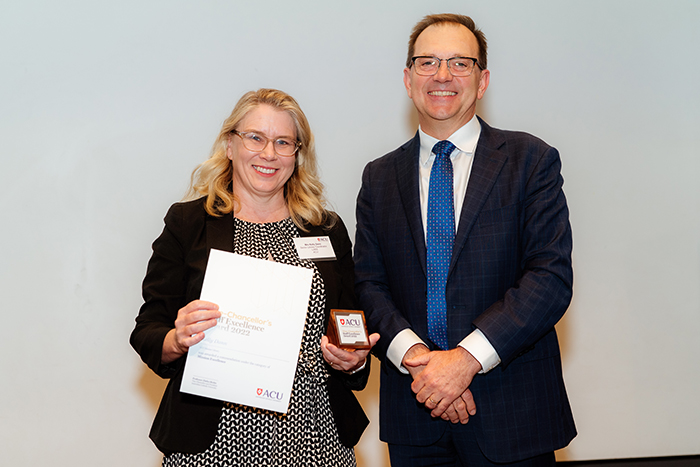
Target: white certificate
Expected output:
[250,356]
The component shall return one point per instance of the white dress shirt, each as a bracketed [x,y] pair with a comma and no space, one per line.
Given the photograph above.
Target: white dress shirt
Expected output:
[465,140]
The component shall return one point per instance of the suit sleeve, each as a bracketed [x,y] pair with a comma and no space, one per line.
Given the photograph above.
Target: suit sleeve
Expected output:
[372,282]
[542,287]
[344,298]
[164,289]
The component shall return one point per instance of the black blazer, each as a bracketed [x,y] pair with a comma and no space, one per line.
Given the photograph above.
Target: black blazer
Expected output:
[188,423]
[510,276]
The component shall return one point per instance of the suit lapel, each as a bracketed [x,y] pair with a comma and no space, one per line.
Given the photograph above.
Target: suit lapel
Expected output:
[407,178]
[488,162]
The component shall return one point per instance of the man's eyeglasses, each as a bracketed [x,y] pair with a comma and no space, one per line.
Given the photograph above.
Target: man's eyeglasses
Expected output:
[458,66]
[256,142]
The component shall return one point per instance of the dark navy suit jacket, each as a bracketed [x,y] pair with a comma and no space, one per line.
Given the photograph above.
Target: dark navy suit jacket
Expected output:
[510,276]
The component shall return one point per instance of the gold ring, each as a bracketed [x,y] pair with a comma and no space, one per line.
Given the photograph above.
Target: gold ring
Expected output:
[431,400]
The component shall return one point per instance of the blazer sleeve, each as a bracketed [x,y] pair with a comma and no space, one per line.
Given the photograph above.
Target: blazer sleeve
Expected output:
[164,293]
[340,294]
[372,280]
[543,278]
[339,278]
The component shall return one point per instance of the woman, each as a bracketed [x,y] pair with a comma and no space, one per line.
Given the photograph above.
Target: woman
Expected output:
[258,190]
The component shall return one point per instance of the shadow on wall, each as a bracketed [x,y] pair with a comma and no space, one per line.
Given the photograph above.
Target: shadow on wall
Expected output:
[152,388]
[370,451]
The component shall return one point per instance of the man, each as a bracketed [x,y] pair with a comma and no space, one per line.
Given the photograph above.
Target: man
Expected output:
[463,265]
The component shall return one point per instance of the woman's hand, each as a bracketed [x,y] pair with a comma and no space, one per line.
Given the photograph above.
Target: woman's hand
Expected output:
[344,360]
[192,320]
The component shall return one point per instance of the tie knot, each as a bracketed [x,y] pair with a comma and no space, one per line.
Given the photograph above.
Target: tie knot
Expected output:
[443,148]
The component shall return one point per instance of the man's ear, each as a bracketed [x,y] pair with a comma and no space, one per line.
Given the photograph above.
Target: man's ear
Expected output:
[407,80]
[483,83]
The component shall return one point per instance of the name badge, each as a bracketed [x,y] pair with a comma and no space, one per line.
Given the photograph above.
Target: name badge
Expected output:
[347,329]
[317,248]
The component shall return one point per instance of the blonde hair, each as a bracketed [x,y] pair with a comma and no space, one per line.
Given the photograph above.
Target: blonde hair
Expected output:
[303,192]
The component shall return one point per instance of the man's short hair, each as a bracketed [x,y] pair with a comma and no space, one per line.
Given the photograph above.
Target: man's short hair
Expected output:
[448,18]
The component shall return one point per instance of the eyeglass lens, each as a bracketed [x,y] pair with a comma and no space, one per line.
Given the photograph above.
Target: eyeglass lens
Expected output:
[458,66]
[256,142]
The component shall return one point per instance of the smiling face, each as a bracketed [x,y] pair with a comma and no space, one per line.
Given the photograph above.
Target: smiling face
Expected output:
[445,103]
[259,177]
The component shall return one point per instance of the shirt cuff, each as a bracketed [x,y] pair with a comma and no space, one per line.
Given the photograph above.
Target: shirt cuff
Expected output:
[400,345]
[479,346]
[357,369]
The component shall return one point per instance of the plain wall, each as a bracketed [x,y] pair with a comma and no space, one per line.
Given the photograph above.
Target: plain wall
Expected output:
[106,107]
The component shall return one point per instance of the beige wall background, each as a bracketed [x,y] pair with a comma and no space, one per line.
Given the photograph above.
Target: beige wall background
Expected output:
[106,107]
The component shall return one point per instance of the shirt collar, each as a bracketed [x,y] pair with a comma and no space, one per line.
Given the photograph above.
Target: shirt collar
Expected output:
[464,139]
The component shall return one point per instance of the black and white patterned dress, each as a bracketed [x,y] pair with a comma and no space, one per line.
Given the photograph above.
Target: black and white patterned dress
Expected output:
[306,435]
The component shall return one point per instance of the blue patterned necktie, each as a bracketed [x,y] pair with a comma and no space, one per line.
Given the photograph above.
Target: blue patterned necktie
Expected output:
[441,235]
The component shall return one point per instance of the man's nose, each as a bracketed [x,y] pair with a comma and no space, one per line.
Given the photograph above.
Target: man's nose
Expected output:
[443,72]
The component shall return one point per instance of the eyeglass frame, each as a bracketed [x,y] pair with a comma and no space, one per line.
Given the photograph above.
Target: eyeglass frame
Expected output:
[267,141]
[447,60]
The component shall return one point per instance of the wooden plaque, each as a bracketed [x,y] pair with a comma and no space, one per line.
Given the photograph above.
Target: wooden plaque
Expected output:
[347,329]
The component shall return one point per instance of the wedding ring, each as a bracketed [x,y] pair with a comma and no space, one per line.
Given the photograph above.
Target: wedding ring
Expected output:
[431,400]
